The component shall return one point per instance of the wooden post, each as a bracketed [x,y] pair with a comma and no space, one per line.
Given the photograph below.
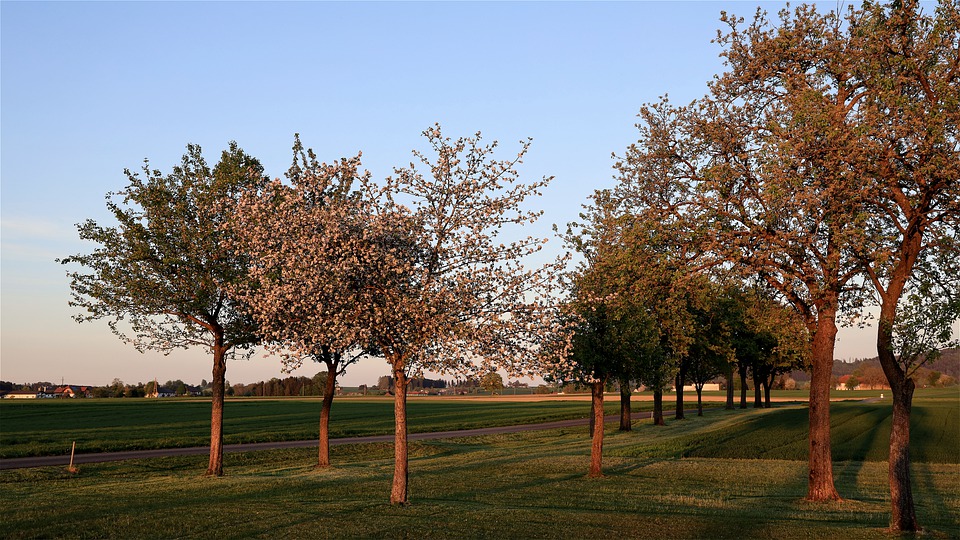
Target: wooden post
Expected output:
[71,468]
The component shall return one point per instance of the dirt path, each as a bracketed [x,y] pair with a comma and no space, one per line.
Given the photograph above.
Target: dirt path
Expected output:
[79,459]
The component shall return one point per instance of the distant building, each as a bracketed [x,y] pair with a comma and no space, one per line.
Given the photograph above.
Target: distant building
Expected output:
[22,394]
[842,383]
[708,387]
[73,391]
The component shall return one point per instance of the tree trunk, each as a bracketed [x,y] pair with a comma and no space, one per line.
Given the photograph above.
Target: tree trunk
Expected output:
[658,408]
[679,384]
[699,400]
[757,391]
[596,448]
[330,388]
[398,494]
[903,517]
[626,422]
[767,384]
[215,466]
[820,485]
[729,387]
[743,386]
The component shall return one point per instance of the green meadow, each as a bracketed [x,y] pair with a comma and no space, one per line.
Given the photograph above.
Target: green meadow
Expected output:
[49,427]
[729,474]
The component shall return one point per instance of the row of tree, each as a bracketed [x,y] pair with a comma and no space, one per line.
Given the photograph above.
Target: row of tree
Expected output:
[326,266]
[820,172]
[824,163]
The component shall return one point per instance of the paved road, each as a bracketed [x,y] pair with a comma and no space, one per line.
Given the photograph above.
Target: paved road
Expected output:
[47,461]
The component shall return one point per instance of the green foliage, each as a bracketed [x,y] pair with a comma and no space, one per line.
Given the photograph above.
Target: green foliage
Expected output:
[163,269]
[492,382]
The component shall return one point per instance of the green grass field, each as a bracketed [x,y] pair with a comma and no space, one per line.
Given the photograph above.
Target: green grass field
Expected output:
[48,427]
[718,476]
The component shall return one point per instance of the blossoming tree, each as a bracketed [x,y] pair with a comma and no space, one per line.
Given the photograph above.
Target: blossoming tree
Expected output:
[301,238]
[447,294]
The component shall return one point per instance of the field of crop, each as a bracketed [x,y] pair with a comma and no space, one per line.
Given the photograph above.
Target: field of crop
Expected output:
[720,476]
[48,427]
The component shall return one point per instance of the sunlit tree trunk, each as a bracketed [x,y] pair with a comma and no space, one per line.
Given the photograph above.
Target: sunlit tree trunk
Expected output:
[820,486]
[330,387]
[596,448]
[215,466]
[398,493]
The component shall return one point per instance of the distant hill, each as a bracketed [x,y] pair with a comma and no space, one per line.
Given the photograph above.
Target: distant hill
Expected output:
[948,363]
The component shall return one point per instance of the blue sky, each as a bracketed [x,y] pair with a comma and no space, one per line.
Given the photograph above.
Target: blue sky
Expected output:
[89,89]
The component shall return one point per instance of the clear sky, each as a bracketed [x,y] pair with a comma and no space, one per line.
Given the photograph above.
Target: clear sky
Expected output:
[89,89]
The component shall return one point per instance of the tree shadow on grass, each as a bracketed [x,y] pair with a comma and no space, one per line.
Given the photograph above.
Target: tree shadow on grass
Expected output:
[857,449]
[933,509]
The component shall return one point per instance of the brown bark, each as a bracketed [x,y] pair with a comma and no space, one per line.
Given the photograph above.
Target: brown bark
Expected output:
[215,466]
[596,448]
[757,392]
[658,408]
[743,386]
[903,516]
[729,387]
[766,390]
[626,422]
[820,483]
[679,384]
[398,493]
[699,400]
[323,458]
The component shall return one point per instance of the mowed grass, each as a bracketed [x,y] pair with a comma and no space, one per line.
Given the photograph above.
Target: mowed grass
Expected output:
[48,427]
[525,485]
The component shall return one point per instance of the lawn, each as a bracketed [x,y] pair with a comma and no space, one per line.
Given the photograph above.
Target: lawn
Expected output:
[660,483]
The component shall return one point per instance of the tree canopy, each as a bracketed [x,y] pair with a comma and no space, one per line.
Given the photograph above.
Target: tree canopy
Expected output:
[161,277]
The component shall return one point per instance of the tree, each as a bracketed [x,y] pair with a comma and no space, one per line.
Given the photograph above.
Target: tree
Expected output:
[601,337]
[492,382]
[161,276]
[304,289]
[767,164]
[636,272]
[448,294]
[712,349]
[907,66]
